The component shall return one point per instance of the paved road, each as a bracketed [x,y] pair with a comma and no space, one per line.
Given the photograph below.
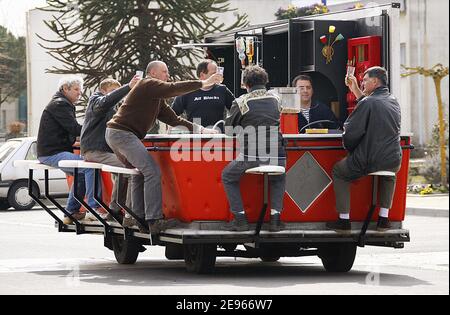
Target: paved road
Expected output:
[35,259]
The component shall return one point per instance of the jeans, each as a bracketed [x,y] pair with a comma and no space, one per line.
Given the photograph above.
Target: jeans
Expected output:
[146,190]
[231,177]
[85,180]
[109,158]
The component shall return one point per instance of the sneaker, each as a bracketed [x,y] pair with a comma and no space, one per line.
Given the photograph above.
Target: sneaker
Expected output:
[383,224]
[106,216]
[340,226]
[90,217]
[76,215]
[238,224]
[275,223]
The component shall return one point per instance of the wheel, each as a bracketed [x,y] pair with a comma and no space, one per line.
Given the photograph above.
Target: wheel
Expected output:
[269,259]
[338,257]
[4,204]
[19,198]
[200,258]
[174,252]
[125,251]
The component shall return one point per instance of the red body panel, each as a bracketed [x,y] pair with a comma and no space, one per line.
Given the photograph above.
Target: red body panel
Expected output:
[193,190]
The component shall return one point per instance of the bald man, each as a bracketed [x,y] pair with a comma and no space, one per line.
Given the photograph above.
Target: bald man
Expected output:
[143,106]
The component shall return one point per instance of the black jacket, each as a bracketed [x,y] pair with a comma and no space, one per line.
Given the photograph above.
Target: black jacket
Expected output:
[257,109]
[101,108]
[58,128]
[318,111]
[372,133]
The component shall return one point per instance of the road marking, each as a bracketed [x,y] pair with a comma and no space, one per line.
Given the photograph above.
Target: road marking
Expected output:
[17,223]
[35,265]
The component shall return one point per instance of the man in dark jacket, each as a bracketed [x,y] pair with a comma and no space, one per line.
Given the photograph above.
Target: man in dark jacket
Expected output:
[311,110]
[58,131]
[254,113]
[372,138]
[101,108]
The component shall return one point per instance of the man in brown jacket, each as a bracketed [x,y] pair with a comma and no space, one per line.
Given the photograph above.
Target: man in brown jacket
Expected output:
[143,106]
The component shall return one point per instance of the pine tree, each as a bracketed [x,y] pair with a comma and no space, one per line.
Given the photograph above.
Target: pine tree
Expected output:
[117,37]
[13,73]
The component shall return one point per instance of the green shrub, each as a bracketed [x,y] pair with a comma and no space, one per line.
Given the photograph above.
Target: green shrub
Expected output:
[432,168]
[293,11]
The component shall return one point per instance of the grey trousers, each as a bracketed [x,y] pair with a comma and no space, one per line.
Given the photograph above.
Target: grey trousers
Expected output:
[146,192]
[343,177]
[109,158]
[231,177]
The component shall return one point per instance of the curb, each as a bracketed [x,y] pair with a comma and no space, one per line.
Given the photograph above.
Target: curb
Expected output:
[428,212]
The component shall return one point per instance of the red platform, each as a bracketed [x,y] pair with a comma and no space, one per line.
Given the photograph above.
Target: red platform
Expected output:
[193,190]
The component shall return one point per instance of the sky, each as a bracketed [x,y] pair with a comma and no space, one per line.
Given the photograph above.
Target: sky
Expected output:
[13,12]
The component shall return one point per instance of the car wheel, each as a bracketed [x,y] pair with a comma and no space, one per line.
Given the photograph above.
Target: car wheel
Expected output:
[4,204]
[126,251]
[200,258]
[19,198]
[338,257]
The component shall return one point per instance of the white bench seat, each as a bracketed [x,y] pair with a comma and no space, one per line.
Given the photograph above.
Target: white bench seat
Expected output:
[271,170]
[68,163]
[120,170]
[32,164]
[86,164]
[383,173]
[25,163]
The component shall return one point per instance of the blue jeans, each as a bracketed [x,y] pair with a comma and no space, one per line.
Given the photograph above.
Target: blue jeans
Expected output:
[85,180]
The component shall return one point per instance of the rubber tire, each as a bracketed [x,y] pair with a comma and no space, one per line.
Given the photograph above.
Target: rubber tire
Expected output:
[19,185]
[125,251]
[174,252]
[200,258]
[4,204]
[338,257]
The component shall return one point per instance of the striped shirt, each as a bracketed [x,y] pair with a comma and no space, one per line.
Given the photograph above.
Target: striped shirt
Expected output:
[305,113]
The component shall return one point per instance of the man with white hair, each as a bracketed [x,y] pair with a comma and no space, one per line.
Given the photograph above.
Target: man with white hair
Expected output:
[58,130]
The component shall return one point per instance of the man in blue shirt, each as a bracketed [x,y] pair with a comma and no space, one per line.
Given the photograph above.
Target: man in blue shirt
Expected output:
[312,110]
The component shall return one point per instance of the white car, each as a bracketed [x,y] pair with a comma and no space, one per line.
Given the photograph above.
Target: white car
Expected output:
[14,180]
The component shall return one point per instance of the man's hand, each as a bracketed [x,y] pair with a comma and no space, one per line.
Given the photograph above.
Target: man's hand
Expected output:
[212,80]
[134,81]
[352,83]
[208,131]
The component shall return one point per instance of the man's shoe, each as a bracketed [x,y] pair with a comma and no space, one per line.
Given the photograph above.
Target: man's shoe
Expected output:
[106,216]
[129,222]
[340,226]
[90,217]
[157,226]
[275,223]
[77,216]
[383,224]
[238,224]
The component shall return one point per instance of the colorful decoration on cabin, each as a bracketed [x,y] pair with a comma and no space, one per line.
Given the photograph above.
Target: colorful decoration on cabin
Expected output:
[328,50]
